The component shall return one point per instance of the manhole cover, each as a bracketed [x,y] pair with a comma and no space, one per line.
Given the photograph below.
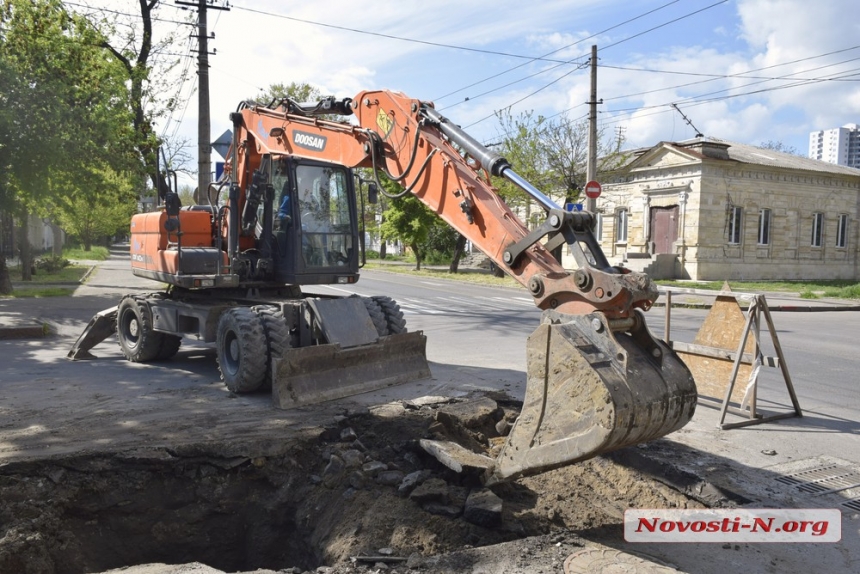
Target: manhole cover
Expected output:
[611,561]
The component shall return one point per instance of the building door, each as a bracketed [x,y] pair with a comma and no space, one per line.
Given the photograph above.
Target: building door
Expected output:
[664,228]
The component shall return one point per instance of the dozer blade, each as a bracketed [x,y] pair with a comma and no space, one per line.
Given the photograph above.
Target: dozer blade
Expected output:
[100,327]
[319,373]
[589,391]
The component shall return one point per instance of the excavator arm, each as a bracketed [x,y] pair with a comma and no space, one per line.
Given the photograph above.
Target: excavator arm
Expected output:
[597,378]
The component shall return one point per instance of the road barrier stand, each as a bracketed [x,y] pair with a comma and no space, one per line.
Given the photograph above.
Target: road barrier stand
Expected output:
[723,353]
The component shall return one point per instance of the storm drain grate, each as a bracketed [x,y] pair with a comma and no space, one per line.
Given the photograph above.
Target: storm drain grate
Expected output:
[825,480]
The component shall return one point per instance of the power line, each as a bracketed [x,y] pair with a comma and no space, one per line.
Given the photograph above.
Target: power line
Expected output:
[715,4]
[609,46]
[738,75]
[692,102]
[557,50]
[715,76]
[743,76]
[399,38]
[128,14]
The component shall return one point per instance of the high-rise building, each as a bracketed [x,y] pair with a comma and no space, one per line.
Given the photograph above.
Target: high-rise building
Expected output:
[838,145]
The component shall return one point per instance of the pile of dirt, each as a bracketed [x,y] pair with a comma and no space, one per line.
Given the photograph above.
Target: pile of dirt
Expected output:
[357,495]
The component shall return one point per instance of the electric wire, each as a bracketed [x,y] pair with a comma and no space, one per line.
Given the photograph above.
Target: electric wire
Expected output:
[557,50]
[699,11]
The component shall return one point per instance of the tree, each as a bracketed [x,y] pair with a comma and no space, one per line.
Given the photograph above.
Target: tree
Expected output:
[408,220]
[63,120]
[522,145]
[298,92]
[551,155]
[153,90]
[91,217]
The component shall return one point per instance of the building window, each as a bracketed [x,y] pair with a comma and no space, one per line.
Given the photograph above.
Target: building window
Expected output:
[842,230]
[735,222]
[817,226]
[621,226]
[764,227]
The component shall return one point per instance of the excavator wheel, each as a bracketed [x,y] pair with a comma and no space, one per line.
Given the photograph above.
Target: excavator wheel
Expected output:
[393,314]
[277,337]
[169,346]
[377,315]
[241,350]
[139,343]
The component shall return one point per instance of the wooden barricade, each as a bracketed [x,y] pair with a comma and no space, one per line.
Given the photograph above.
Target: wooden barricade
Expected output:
[723,354]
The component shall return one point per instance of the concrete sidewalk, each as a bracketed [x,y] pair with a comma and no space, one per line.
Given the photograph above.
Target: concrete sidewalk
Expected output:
[101,287]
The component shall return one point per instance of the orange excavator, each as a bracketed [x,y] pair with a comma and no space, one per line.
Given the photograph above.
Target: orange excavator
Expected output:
[285,216]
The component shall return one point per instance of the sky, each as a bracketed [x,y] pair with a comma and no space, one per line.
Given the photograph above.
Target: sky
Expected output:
[748,71]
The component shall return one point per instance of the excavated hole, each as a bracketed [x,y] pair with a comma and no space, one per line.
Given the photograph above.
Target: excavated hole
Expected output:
[318,500]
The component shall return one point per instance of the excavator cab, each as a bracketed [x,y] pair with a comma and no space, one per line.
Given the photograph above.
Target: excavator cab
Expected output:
[313,221]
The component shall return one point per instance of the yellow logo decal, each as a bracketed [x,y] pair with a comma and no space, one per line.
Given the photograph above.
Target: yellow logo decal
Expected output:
[384,122]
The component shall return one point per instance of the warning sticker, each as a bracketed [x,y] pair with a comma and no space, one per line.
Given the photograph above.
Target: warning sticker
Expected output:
[384,122]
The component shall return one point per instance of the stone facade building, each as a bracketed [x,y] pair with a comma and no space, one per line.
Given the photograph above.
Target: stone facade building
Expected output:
[709,209]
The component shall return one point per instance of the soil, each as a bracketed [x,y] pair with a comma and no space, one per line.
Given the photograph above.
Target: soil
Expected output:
[358,496]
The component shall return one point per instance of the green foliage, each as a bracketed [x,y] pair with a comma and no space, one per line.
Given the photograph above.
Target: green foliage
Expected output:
[63,274]
[552,155]
[298,92]
[51,263]
[65,130]
[40,292]
[97,253]
[100,212]
[839,289]
[60,114]
[408,220]
[846,292]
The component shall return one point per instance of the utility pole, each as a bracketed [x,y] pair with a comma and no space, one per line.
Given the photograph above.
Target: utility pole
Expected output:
[591,167]
[204,123]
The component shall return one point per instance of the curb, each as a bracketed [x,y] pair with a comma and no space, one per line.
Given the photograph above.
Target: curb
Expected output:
[27,330]
[784,308]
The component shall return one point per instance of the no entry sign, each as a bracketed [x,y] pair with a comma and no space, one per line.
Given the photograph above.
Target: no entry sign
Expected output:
[592,190]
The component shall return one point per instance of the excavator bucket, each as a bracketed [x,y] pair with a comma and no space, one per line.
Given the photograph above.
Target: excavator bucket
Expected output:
[589,391]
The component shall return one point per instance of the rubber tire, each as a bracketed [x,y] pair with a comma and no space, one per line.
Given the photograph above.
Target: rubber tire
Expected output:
[277,337]
[393,314]
[138,342]
[377,315]
[169,346]
[240,346]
